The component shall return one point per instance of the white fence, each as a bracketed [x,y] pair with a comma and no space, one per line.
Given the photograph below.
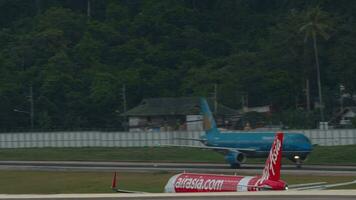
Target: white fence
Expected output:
[140,139]
[331,137]
[95,139]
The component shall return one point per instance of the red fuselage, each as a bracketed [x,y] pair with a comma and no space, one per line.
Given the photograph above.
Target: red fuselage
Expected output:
[190,182]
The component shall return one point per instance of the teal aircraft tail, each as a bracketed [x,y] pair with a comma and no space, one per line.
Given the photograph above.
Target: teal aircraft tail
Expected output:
[209,122]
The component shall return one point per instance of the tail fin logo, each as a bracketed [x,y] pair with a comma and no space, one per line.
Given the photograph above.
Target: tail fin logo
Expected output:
[274,156]
[207,124]
[273,162]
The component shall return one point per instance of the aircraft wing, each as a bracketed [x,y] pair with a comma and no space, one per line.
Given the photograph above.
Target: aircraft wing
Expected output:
[223,150]
[192,139]
[319,185]
[128,191]
[219,149]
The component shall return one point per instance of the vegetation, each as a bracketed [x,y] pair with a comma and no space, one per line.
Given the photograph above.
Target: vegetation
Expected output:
[321,155]
[78,55]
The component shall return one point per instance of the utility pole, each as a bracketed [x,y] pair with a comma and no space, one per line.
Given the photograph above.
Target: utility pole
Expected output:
[321,104]
[125,121]
[215,98]
[124,97]
[88,9]
[38,6]
[307,94]
[246,100]
[342,88]
[242,101]
[31,107]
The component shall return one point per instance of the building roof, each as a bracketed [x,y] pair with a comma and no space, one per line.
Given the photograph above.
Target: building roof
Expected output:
[342,112]
[259,109]
[175,106]
[353,109]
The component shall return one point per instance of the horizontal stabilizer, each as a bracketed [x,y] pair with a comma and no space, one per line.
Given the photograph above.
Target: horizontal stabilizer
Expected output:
[114,186]
[296,186]
[322,187]
[128,191]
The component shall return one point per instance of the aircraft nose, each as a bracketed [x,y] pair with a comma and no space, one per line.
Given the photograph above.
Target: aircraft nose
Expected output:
[306,147]
[309,146]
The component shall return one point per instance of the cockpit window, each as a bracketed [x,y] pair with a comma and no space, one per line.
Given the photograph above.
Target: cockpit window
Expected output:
[297,138]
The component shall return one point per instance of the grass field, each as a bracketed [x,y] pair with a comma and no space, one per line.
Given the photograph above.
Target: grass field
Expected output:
[333,155]
[112,154]
[320,155]
[28,182]
[21,182]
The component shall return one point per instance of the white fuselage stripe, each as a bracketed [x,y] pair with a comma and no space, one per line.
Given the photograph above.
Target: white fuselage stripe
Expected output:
[242,185]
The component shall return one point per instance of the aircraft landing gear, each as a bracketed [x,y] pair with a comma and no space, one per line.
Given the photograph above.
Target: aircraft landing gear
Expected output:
[298,162]
[298,165]
[235,165]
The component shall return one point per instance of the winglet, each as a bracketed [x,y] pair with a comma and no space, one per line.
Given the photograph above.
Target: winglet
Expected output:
[114,183]
[272,170]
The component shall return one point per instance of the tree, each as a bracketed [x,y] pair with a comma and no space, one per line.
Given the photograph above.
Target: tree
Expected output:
[316,23]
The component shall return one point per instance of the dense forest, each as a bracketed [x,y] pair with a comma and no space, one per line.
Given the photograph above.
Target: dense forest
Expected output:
[70,60]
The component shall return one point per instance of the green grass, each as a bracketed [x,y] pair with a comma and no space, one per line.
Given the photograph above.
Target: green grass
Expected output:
[333,155]
[113,154]
[320,155]
[33,182]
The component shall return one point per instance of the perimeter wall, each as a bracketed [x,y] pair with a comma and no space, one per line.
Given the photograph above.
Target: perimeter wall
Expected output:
[140,139]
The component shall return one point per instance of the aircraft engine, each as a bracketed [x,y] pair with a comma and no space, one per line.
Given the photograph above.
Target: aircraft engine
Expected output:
[235,159]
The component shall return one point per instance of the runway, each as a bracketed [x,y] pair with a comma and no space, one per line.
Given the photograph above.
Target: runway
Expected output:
[172,167]
[267,195]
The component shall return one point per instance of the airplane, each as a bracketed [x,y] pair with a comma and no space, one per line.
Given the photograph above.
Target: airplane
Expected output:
[269,180]
[237,146]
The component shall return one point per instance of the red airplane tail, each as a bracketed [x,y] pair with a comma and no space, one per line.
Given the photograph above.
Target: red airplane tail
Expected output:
[272,170]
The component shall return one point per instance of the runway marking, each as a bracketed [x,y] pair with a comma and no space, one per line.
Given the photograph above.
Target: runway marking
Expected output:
[279,194]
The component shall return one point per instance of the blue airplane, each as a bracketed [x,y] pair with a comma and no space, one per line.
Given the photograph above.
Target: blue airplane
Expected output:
[238,146]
